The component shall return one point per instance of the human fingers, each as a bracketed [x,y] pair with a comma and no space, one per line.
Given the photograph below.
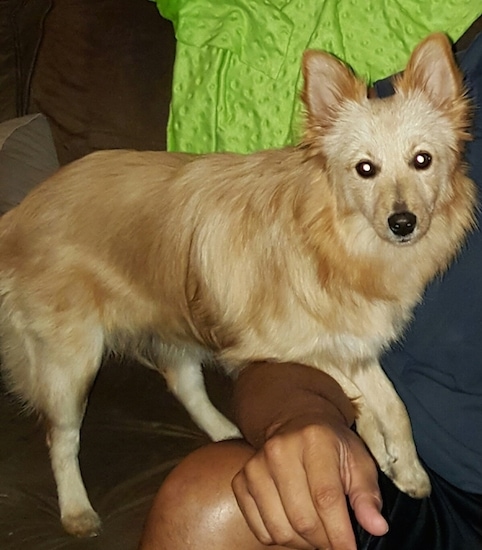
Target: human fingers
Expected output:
[260,503]
[310,471]
[306,502]
[363,491]
[324,451]
[335,463]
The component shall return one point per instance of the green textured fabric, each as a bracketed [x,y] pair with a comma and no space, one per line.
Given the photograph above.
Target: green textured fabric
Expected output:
[237,70]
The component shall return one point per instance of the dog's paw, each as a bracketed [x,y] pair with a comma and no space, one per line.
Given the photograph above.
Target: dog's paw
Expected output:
[225,430]
[85,524]
[215,424]
[412,480]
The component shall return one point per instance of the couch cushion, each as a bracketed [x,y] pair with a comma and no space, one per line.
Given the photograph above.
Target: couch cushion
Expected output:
[103,75]
[27,156]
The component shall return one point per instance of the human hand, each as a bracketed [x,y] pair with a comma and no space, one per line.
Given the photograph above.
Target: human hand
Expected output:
[293,491]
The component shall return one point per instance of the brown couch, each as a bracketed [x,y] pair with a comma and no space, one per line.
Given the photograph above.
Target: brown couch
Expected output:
[99,72]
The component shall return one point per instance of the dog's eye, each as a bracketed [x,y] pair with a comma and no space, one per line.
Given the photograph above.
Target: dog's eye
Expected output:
[366,169]
[422,160]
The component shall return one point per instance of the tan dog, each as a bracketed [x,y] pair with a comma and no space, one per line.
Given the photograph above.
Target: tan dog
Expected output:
[315,254]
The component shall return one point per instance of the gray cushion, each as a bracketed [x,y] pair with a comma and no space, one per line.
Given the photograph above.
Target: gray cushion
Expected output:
[27,157]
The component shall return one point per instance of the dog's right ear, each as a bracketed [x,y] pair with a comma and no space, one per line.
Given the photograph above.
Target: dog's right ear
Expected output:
[433,70]
[327,83]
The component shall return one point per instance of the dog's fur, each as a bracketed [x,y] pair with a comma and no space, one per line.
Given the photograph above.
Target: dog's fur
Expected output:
[284,255]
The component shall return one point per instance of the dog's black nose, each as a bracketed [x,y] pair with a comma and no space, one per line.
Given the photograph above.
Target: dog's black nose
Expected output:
[402,223]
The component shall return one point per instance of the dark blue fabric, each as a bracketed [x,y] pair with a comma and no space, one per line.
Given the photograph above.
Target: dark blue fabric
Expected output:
[451,519]
[437,370]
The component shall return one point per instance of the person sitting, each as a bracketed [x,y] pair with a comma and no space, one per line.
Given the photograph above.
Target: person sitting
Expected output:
[303,479]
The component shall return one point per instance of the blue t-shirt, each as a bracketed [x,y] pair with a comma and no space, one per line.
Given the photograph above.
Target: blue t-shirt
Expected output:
[437,369]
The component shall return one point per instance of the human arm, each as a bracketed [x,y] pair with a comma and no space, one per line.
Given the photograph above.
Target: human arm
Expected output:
[293,491]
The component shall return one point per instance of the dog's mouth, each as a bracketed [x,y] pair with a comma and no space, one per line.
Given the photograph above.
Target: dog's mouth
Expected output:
[407,239]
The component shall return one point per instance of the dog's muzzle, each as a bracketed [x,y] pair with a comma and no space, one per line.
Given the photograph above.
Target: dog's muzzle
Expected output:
[402,224]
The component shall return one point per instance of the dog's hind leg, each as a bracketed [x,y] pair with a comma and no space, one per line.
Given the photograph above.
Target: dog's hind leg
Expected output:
[64,413]
[183,374]
[53,376]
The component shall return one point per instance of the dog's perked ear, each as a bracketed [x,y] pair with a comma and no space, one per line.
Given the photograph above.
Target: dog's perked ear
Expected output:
[432,69]
[327,84]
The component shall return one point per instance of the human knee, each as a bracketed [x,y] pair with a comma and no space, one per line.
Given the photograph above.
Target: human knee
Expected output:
[206,473]
[196,499]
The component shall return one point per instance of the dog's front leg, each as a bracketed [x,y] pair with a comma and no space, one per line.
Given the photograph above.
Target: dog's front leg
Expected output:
[389,418]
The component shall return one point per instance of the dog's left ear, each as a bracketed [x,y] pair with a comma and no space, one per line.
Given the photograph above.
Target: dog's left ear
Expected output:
[432,69]
[327,84]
